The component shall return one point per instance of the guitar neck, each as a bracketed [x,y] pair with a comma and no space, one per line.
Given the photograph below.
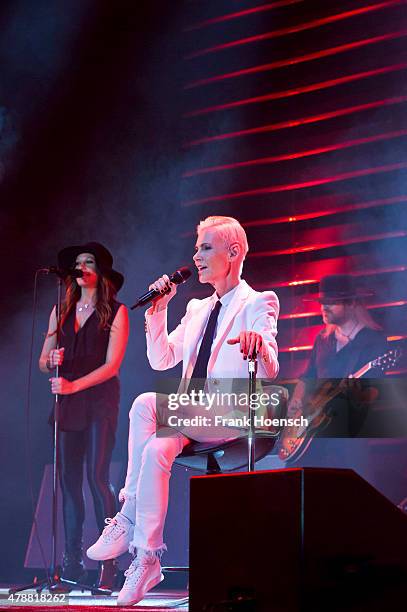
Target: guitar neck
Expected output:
[339,388]
[362,371]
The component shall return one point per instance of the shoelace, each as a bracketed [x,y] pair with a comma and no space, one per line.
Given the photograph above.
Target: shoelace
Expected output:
[138,563]
[132,568]
[131,573]
[112,526]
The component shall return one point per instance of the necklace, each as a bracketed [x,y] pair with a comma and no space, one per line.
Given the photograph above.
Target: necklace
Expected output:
[348,336]
[83,306]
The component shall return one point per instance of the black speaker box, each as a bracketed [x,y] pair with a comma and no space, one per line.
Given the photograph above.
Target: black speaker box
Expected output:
[295,539]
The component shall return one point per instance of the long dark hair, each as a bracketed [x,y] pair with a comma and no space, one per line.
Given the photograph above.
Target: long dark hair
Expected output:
[362,315]
[105,294]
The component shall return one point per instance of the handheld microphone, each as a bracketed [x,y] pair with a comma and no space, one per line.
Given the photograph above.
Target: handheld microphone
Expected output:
[63,272]
[179,277]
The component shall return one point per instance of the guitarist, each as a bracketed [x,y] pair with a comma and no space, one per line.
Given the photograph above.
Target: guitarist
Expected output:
[350,340]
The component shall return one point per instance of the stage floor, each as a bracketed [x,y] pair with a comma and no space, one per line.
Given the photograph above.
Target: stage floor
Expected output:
[157,600]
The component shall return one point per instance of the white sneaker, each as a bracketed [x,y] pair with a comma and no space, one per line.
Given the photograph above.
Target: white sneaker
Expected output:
[143,574]
[114,540]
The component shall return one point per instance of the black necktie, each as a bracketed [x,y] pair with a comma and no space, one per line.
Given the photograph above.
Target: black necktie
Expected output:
[201,365]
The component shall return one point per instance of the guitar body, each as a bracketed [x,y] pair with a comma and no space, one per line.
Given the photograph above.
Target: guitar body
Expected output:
[295,439]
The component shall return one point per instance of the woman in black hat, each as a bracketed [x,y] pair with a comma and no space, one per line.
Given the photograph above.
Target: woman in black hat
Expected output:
[92,342]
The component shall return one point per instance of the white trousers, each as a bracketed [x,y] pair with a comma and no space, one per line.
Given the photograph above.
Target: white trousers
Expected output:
[148,473]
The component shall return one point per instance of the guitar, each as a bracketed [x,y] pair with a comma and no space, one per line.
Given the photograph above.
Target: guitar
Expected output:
[295,439]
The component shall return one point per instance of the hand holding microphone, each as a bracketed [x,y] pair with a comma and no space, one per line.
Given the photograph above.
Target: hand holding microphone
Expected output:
[163,290]
[166,290]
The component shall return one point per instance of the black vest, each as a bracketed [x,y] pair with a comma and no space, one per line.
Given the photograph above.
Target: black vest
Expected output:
[85,351]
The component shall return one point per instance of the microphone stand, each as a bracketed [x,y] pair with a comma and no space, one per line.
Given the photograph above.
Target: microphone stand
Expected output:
[54,581]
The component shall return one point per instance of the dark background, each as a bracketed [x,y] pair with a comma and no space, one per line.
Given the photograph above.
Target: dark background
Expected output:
[99,141]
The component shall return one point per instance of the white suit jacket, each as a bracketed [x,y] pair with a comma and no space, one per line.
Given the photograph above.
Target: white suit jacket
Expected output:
[249,310]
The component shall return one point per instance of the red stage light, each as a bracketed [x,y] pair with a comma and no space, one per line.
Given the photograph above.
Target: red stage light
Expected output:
[316,313]
[292,349]
[282,125]
[299,59]
[303,185]
[326,213]
[239,14]
[289,93]
[298,154]
[327,245]
[310,281]
[308,25]
[308,347]
[302,282]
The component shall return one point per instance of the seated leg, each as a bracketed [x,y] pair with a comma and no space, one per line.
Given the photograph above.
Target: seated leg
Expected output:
[118,534]
[152,503]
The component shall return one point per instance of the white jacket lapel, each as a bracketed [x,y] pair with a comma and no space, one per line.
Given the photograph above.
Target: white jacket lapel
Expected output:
[232,310]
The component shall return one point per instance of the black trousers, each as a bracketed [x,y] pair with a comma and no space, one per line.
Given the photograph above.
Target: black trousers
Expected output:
[95,445]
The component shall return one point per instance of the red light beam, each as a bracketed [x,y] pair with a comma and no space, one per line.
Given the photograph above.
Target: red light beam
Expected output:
[289,93]
[339,146]
[298,59]
[282,125]
[308,25]
[257,9]
[345,176]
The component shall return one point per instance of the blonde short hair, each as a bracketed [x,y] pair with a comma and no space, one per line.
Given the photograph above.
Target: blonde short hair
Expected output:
[229,229]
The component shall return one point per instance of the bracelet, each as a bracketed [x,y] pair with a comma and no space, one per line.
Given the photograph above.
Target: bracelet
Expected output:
[49,366]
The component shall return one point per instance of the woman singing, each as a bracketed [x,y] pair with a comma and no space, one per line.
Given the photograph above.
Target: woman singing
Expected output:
[93,336]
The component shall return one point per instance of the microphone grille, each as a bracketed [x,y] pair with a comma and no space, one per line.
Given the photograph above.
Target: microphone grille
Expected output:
[181,275]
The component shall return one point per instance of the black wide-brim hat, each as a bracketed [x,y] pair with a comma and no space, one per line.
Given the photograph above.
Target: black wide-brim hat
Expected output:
[104,260]
[338,288]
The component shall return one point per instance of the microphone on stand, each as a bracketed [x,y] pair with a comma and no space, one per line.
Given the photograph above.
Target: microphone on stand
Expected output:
[179,277]
[62,272]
